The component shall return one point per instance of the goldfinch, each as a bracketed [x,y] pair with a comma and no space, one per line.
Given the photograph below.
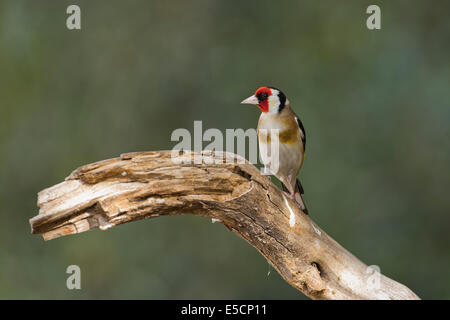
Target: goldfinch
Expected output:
[279,126]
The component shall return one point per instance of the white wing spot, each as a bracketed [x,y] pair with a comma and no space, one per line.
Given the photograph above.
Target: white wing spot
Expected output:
[301,131]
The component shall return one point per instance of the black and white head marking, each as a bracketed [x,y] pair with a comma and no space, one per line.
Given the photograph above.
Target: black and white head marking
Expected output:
[282,98]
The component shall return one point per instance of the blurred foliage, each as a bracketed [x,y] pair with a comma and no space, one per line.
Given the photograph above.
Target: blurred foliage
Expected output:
[375,105]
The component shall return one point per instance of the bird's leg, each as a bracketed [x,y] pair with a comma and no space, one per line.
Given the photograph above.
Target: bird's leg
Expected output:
[296,198]
[288,191]
[289,188]
[289,195]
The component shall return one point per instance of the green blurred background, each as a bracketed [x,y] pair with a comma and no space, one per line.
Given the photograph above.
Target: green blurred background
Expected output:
[375,105]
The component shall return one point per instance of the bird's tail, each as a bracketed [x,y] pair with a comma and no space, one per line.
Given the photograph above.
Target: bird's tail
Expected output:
[298,196]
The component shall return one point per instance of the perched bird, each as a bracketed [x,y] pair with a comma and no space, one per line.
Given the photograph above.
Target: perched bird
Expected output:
[278,123]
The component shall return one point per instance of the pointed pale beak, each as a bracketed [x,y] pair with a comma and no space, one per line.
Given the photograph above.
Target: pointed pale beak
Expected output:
[250,100]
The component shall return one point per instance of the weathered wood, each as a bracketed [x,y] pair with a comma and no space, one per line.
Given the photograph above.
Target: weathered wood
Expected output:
[149,184]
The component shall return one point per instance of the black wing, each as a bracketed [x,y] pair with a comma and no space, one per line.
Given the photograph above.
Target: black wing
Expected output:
[302,132]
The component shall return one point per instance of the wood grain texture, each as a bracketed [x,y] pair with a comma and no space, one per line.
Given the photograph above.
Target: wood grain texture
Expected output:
[229,189]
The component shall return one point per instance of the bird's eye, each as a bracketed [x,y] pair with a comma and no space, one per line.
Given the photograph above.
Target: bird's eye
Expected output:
[263,96]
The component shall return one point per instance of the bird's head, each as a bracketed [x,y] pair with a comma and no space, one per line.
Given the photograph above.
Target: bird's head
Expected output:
[268,99]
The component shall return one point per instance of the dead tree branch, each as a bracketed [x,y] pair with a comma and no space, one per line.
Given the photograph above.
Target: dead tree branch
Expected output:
[150,184]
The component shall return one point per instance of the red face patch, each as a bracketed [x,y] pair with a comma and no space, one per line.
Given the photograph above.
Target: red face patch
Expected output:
[263,95]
